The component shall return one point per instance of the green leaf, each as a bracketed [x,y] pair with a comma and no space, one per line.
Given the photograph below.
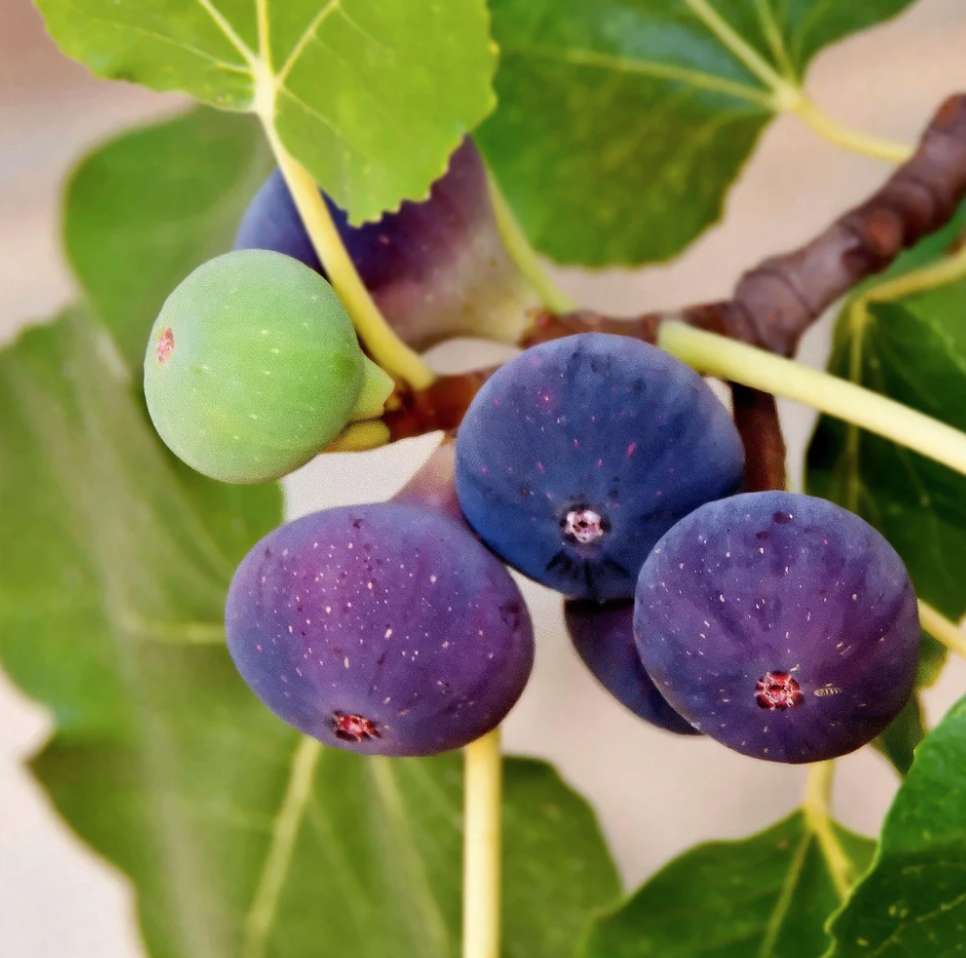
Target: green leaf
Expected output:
[913,900]
[898,742]
[767,896]
[932,658]
[913,351]
[557,872]
[242,838]
[621,126]
[371,95]
[806,27]
[146,209]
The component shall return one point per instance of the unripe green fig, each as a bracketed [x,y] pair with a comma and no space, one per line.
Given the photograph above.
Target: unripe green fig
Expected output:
[253,367]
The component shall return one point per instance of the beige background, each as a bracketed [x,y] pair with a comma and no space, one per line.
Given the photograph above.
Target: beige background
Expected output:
[656,794]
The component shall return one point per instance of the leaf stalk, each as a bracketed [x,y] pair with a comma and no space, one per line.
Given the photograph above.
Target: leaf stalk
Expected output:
[794,100]
[816,807]
[482,847]
[716,355]
[945,271]
[379,338]
[524,255]
[942,629]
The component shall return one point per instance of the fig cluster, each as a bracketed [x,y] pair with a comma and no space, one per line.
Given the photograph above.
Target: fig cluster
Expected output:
[780,625]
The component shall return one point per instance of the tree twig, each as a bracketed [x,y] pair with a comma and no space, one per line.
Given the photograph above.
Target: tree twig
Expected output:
[777,301]
[441,406]
[756,416]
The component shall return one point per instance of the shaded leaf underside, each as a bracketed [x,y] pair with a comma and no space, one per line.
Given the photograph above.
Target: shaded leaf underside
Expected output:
[147,208]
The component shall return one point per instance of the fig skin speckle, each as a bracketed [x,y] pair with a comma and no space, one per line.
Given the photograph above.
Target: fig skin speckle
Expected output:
[780,584]
[390,614]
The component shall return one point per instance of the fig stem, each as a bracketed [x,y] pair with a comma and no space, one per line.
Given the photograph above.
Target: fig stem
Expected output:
[379,338]
[716,355]
[377,387]
[433,486]
[942,629]
[360,436]
[816,807]
[483,784]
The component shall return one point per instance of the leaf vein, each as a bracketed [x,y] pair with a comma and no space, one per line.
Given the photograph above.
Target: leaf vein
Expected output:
[228,30]
[261,916]
[785,897]
[171,41]
[662,71]
[306,37]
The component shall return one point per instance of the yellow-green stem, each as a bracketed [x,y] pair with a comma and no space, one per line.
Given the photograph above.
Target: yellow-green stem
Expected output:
[360,436]
[175,633]
[483,784]
[816,808]
[786,94]
[524,255]
[942,629]
[945,271]
[736,362]
[794,100]
[385,347]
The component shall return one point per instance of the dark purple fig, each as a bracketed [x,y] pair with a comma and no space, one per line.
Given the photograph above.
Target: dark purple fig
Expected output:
[781,625]
[578,455]
[603,635]
[386,629]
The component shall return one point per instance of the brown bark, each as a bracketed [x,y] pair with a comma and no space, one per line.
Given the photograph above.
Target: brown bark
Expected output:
[756,416]
[441,406]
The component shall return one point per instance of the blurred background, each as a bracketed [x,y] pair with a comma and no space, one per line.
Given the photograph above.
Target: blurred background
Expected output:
[656,795]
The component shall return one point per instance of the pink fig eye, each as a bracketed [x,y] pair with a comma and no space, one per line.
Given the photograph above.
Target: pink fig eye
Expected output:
[354,728]
[778,690]
[165,344]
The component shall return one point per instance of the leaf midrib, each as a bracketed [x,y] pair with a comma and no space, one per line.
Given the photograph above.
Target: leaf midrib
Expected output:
[436,937]
[259,65]
[671,72]
[783,903]
[260,919]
